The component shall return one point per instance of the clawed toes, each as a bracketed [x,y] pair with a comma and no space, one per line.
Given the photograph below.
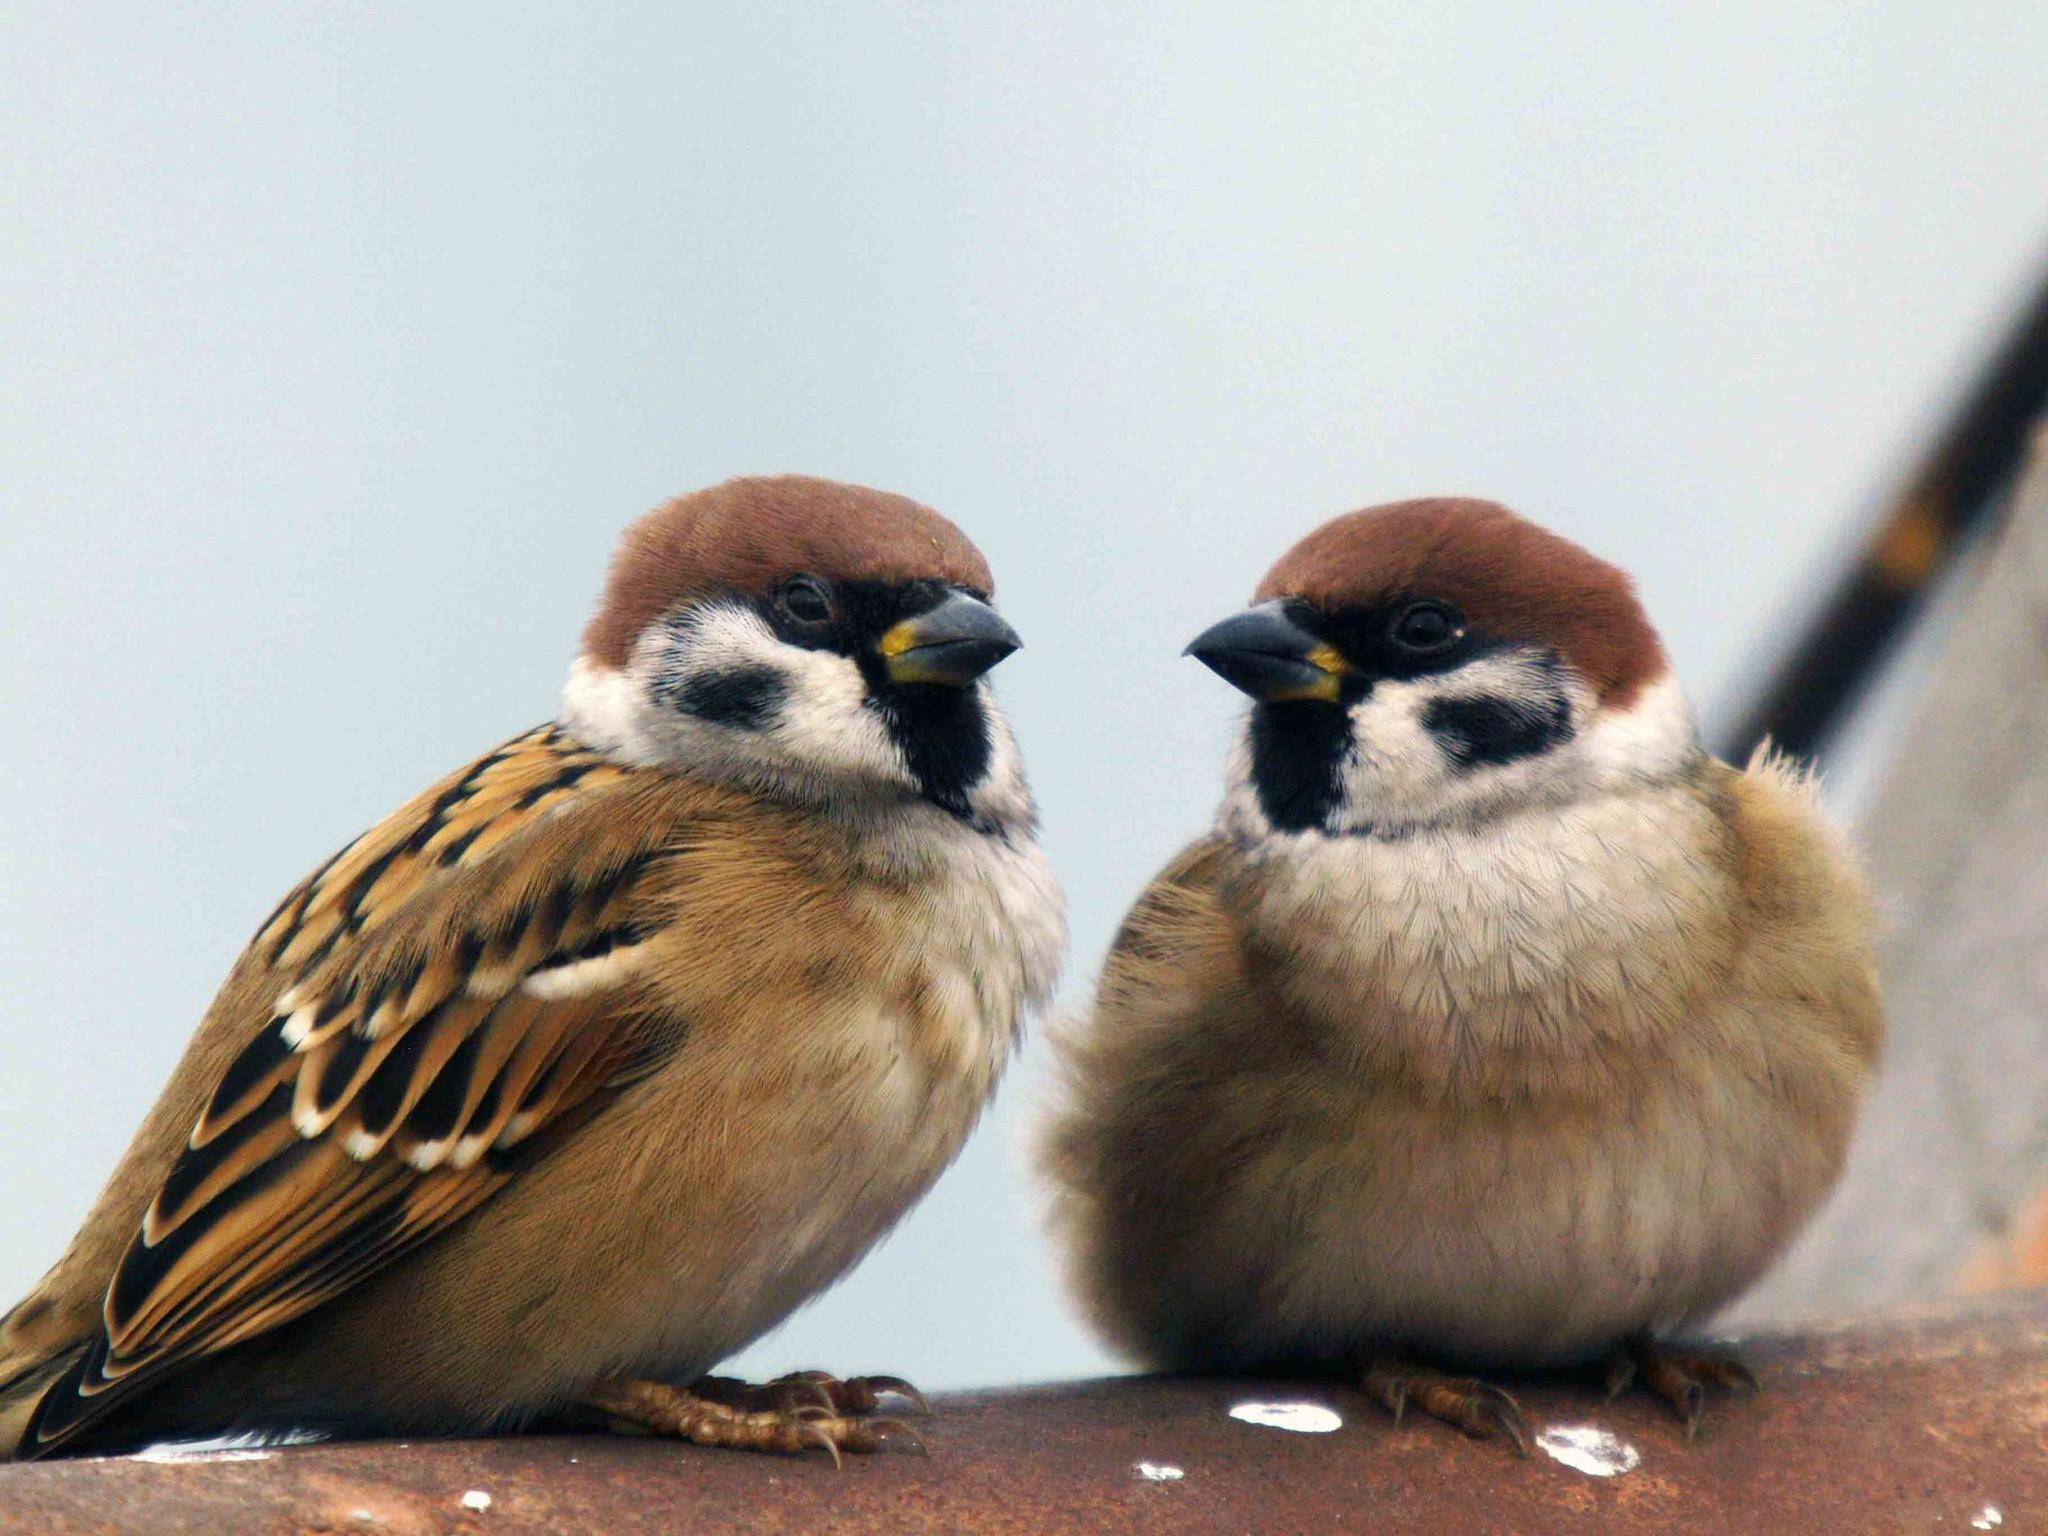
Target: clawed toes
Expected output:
[861,1437]
[894,1435]
[1682,1377]
[864,1437]
[879,1387]
[811,1435]
[1621,1375]
[1694,1405]
[1476,1407]
[805,1397]
[1497,1411]
[789,1416]
[1727,1373]
[854,1395]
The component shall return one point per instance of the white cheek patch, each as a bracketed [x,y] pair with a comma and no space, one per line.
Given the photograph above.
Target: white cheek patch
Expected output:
[814,728]
[808,726]
[1393,760]
[1651,738]
[825,719]
[1399,774]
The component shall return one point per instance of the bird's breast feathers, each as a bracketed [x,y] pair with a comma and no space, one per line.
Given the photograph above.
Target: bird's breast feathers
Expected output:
[1526,933]
[980,924]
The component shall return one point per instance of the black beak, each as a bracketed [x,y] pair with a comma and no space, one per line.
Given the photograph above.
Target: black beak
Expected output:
[950,645]
[1268,655]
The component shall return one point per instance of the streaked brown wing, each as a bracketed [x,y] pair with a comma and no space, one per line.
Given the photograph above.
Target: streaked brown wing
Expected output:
[452,990]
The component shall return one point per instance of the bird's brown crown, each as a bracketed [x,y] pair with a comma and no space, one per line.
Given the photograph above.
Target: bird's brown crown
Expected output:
[1508,577]
[747,534]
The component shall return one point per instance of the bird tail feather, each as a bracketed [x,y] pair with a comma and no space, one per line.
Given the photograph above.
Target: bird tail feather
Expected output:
[23,1381]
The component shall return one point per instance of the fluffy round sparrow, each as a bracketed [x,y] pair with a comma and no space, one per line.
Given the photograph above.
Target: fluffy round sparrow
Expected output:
[1494,1025]
[589,1065]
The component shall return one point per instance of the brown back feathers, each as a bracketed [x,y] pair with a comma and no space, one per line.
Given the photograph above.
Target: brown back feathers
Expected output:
[745,535]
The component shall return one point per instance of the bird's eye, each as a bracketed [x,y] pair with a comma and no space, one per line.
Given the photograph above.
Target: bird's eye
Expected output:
[805,599]
[1425,628]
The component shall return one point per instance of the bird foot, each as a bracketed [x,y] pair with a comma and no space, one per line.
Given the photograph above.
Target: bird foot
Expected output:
[1478,1408]
[1680,1376]
[812,1389]
[793,1414]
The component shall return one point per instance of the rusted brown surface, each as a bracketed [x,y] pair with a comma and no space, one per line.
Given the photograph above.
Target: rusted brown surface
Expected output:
[1922,1422]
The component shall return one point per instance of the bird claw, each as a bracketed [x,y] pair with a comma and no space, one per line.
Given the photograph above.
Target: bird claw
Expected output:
[862,1437]
[1695,1397]
[1507,1417]
[1681,1377]
[1621,1375]
[895,1435]
[851,1395]
[1729,1373]
[1479,1408]
[808,1396]
[814,1436]
[880,1387]
[805,1411]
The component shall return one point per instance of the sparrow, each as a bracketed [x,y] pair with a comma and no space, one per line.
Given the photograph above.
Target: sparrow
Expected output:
[1492,1026]
[597,1059]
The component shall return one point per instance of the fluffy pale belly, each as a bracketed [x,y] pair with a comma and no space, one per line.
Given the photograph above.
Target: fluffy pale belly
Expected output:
[857,1154]
[1526,1239]
[818,1228]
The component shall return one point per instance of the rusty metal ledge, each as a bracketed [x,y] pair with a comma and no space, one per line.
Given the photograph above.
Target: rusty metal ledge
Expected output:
[1935,1420]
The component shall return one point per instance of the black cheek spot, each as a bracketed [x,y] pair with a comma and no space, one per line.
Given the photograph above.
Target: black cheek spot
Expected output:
[746,698]
[1489,732]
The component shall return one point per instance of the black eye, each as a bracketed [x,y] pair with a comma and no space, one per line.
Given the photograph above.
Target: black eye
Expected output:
[1424,628]
[805,599]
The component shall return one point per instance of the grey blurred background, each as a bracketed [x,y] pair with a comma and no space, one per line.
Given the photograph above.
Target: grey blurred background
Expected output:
[339,342]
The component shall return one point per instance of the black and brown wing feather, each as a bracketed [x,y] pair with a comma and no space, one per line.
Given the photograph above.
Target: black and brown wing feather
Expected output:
[451,992]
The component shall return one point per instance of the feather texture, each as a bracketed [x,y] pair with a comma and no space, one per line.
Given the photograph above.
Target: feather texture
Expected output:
[404,1066]
[641,1066]
[603,1054]
[1501,1096]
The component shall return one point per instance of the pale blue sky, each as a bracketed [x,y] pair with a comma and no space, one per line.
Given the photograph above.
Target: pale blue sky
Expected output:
[341,341]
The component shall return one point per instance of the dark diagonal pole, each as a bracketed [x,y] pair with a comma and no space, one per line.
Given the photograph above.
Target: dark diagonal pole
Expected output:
[1951,493]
